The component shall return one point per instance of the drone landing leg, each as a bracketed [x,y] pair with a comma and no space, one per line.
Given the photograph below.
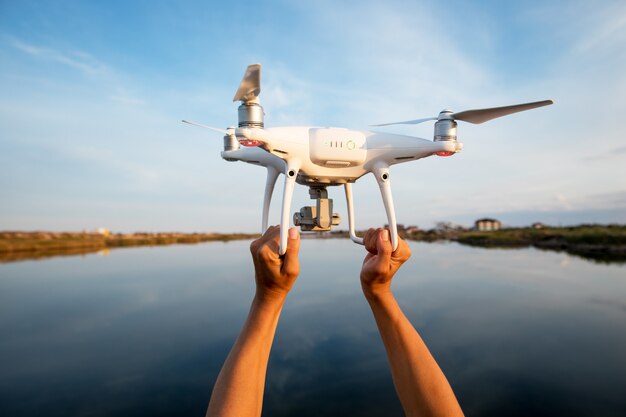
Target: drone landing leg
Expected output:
[272,175]
[384,183]
[353,236]
[290,180]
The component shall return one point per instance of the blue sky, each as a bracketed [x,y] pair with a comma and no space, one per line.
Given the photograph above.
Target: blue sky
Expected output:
[93,94]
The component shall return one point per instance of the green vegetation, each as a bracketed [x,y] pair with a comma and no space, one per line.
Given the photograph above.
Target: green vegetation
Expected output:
[34,245]
[584,234]
[604,243]
[597,242]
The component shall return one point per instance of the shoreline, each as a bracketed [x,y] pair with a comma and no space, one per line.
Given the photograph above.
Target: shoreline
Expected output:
[17,246]
[598,243]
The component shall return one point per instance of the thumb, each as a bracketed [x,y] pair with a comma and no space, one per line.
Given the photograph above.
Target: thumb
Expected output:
[291,265]
[384,245]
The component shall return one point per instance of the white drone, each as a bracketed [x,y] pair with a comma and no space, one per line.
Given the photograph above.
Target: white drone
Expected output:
[319,157]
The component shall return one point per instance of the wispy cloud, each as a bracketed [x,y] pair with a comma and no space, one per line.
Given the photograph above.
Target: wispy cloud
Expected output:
[563,202]
[79,60]
[608,30]
[108,160]
[613,153]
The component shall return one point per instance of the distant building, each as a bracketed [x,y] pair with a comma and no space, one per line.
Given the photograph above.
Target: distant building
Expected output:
[104,231]
[487,225]
[538,225]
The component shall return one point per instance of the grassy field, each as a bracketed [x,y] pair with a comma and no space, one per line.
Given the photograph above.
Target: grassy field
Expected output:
[33,245]
[598,242]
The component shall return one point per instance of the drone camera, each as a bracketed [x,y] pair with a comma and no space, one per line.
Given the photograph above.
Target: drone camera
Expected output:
[317,218]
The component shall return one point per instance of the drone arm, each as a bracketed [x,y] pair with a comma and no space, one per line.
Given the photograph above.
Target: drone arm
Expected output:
[291,173]
[353,236]
[272,175]
[381,172]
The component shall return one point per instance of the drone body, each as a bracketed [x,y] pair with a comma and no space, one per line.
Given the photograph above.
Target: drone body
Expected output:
[321,157]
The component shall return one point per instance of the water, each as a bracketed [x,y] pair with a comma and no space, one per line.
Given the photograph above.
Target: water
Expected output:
[145,331]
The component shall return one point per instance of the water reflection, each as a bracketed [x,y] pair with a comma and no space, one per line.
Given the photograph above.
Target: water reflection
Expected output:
[145,331]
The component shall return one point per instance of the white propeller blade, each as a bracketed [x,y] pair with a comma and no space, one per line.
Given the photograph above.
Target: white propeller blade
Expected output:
[408,122]
[215,129]
[250,85]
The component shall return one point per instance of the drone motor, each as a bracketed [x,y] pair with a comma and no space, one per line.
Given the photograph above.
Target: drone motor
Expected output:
[251,115]
[445,131]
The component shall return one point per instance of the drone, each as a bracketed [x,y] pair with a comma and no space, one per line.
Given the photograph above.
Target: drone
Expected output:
[320,157]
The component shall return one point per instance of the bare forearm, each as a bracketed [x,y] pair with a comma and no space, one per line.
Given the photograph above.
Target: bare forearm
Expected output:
[421,385]
[240,385]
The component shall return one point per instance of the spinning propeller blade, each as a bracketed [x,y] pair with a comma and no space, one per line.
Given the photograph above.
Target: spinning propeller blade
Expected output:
[250,85]
[478,116]
[215,129]
[408,122]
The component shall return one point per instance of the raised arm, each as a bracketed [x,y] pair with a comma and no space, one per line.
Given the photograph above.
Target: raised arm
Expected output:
[421,385]
[239,388]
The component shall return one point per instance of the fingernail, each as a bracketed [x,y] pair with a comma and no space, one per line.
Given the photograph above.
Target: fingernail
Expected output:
[293,233]
[385,235]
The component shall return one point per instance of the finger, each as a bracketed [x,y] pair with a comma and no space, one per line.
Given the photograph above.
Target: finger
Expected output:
[254,245]
[383,245]
[291,265]
[384,249]
[257,244]
[402,252]
[273,239]
[369,240]
[271,231]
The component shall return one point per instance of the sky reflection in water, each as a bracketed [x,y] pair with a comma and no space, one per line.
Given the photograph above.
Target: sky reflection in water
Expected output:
[145,331]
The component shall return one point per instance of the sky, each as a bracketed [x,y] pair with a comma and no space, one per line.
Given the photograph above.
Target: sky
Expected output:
[92,95]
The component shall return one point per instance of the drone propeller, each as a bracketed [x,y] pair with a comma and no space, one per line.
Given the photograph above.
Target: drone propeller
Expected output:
[477,116]
[250,85]
[408,122]
[215,129]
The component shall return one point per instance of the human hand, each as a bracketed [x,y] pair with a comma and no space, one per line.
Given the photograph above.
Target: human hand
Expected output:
[275,274]
[381,263]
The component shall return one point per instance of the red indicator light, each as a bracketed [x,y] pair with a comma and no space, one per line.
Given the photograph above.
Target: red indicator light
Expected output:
[445,153]
[251,142]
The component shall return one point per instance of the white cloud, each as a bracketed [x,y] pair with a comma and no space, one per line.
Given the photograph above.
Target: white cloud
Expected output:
[76,59]
[563,202]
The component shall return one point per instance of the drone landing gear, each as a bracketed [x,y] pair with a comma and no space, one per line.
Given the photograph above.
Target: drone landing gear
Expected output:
[383,179]
[320,217]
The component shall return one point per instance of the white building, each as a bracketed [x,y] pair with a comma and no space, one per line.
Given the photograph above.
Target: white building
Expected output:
[487,225]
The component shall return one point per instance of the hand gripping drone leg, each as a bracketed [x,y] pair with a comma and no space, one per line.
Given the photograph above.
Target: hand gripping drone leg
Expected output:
[348,188]
[270,182]
[381,172]
[291,173]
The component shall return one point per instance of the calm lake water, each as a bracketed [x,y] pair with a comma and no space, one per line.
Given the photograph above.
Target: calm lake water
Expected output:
[144,331]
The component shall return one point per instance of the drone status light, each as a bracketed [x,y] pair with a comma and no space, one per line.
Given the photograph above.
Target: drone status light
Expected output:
[250,143]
